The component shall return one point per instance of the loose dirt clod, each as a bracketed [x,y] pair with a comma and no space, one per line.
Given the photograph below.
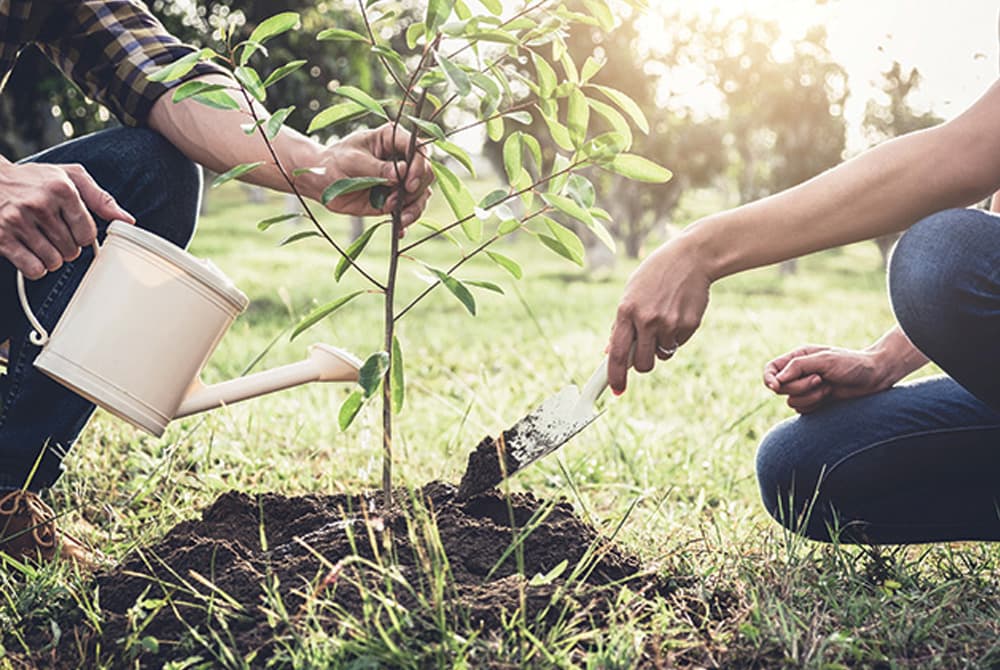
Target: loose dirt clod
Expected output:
[331,559]
[489,463]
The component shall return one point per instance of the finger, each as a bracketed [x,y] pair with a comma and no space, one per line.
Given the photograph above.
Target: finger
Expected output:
[39,245]
[21,257]
[419,175]
[58,232]
[803,366]
[773,367]
[412,213]
[622,337]
[395,141]
[811,399]
[99,201]
[800,386]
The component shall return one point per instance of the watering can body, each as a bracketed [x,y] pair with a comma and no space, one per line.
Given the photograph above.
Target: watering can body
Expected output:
[141,326]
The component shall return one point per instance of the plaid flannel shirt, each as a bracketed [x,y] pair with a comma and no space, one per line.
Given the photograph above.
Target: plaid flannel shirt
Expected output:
[107,47]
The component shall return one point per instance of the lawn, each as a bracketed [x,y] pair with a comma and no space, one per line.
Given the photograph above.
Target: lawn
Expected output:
[671,461]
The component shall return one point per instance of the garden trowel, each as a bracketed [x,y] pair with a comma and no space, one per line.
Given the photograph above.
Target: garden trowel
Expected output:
[540,433]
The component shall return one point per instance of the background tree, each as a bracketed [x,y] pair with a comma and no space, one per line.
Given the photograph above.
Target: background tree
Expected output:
[893,116]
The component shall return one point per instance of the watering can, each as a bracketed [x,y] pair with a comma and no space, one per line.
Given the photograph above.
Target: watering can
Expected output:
[143,323]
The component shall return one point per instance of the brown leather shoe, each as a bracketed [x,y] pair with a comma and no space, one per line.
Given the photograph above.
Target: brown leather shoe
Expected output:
[28,531]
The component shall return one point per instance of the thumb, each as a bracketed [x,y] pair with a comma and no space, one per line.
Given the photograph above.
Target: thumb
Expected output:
[97,200]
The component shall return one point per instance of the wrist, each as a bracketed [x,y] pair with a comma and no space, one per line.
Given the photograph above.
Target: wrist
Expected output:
[705,240]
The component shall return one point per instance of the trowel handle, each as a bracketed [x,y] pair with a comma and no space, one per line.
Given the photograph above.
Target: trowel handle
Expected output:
[39,335]
[598,381]
[595,386]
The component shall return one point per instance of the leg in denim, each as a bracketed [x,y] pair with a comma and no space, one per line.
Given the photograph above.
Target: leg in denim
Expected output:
[919,462]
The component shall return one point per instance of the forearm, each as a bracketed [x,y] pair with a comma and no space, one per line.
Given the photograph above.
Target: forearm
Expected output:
[896,356]
[215,138]
[882,191]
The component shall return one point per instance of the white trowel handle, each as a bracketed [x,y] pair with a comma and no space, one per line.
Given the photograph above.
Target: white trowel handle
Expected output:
[595,386]
[598,381]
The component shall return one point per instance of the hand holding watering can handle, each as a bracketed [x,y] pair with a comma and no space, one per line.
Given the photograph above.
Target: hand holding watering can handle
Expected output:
[39,336]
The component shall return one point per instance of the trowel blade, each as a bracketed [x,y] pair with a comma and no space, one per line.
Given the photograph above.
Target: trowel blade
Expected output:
[538,434]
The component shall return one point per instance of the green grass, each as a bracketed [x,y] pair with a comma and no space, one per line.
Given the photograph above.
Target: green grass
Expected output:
[674,455]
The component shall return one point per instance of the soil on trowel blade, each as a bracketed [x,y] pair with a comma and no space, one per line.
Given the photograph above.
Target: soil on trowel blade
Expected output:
[320,555]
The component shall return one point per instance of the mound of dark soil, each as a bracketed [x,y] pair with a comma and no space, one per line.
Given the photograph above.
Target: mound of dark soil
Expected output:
[335,558]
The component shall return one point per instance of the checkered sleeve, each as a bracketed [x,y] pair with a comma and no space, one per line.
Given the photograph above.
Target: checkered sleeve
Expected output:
[109,48]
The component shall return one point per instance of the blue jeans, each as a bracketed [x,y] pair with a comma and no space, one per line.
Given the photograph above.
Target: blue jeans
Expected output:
[919,462]
[160,187]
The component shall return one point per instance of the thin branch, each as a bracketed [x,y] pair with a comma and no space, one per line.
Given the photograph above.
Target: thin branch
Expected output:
[508,198]
[460,262]
[474,124]
[382,59]
[301,200]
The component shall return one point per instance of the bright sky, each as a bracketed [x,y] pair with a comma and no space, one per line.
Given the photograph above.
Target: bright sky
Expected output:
[953,43]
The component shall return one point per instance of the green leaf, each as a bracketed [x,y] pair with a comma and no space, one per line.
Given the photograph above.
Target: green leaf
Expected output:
[534,148]
[321,313]
[494,7]
[191,88]
[216,99]
[559,132]
[459,199]
[577,117]
[459,154]
[430,128]
[414,33]
[508,226]
[398,384]
[606,146]
[438,12]
[349,185]
[277,120]
[335,114]
[349,410]
[248,77]
[341,35]
[551,575]
[283,72]
[563,241]
[362,98]
[546,76]
[492,198]
[495,128]
[267,223]
[508,264]
[638,168]
[582,191]
[488,285]
[626,104]
[599,10]
[458,289]
[274,26]
[614,118]
[370,375]
[181,66]
[354,250]
[590,68]
[455,74]
[512,160]
[301,235]
[235,173]
[498,36]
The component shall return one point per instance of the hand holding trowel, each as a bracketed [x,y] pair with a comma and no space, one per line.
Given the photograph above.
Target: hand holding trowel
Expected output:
[543,431]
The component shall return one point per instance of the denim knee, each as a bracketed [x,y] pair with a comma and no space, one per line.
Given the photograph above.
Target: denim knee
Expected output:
[944,284]
[787,480]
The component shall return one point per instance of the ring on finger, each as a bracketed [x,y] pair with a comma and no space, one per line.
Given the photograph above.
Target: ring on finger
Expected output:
[665,351]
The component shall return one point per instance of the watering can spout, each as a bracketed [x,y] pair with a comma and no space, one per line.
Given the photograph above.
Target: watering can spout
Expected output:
[324,364]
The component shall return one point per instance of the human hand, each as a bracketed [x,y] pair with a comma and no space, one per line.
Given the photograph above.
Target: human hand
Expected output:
[812,375]
[374,153]
[44,220]
[663,304]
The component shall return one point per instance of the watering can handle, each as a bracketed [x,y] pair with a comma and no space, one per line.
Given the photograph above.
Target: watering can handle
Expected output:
[39,336]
